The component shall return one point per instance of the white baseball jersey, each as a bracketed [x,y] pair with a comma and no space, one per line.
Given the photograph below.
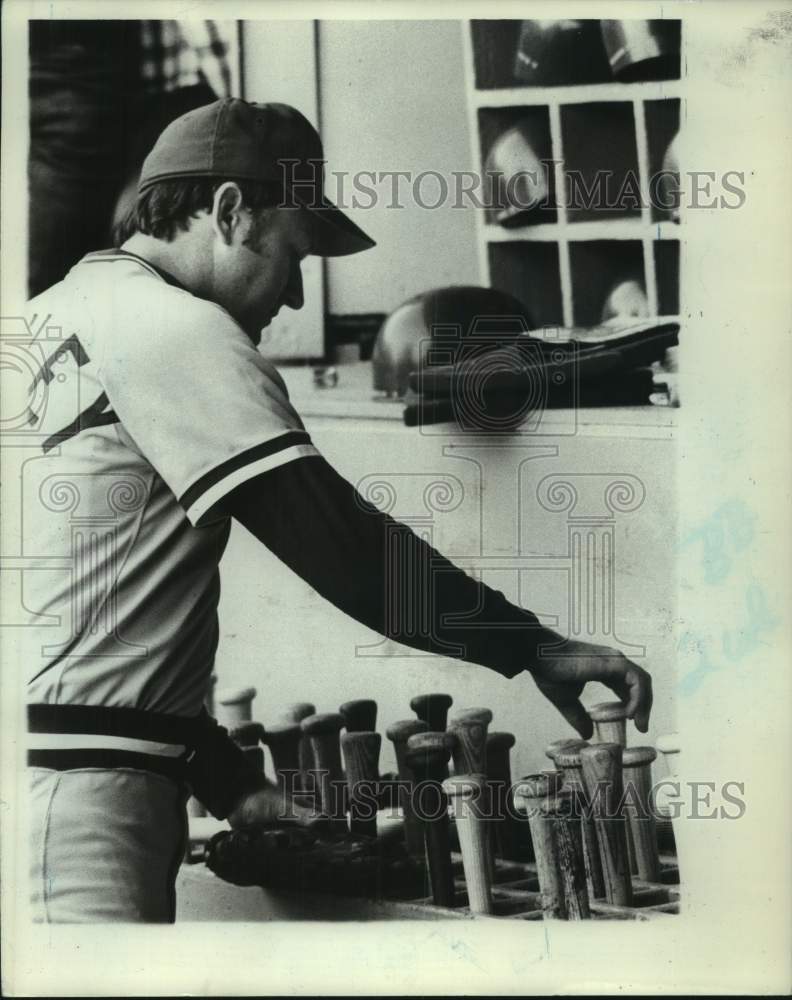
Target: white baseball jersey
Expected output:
[156,405]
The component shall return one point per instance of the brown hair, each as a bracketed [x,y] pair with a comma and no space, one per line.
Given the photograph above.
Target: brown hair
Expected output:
[167,206]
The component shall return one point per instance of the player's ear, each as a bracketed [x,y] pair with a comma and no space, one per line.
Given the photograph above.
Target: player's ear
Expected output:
[227,211]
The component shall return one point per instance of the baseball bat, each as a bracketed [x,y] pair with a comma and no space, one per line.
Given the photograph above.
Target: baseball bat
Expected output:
[610,726]
[296,713]
[532,793]
[610,722]
[432,709]
[235,705]
[323,732]
[283,740]
[507,834]
[637,775]
[465,794]
[470,750]
[562,812]
[601,766]
[427,757]
[398,733]
[567,760]
[670,826]
[359,716]
[361,755]
[562,744]
[469,729]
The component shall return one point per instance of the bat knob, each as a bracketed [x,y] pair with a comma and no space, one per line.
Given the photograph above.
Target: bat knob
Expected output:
[323,722]
[482,715]
[608,711]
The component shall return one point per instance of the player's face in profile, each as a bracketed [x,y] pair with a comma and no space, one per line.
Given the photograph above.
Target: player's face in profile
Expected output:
[262,272]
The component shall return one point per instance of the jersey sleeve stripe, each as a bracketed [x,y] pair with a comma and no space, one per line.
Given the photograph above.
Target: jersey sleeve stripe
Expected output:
[214,485]
[207,500]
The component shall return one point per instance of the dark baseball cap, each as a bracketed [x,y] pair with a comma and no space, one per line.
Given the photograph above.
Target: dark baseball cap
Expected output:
[273,144]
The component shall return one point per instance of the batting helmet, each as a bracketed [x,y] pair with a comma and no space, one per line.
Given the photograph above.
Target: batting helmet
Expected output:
[447,317]
[519,180]
[642,50]
[558,52]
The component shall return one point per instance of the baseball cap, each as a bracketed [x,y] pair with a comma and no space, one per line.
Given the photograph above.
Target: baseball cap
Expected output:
[273,144]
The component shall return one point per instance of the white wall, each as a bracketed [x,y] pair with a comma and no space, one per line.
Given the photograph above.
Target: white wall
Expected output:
[392,97]
[280,635]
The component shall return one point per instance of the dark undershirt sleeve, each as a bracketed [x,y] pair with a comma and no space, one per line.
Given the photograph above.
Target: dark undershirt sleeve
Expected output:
[379,571]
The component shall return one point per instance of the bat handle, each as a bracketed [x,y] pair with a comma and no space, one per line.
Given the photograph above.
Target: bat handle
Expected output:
[499,780]
[466,795]
[296,713]
[567,760]
[563,814]
[427,756]
[532,793]
[602,777]
[610,722]
[398,734]
[359,716]
[283,740]
[637,764]
[432,709]
[361,755]
[323,731]
[235,705]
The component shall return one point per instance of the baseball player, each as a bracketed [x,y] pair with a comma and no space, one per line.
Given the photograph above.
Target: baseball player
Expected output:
[163,422]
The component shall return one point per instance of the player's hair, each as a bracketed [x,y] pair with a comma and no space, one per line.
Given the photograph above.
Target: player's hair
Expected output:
[167,207]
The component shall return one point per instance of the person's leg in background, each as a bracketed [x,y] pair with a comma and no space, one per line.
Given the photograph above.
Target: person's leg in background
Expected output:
[93,119]
[82,74]
[105,845]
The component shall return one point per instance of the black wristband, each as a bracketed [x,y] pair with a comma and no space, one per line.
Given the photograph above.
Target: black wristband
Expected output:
[218,772]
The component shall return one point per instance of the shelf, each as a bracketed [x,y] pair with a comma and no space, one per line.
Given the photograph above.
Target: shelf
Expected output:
[507,97]
[524,135]
[601,149]
[531,273]
[615,229]
[662,125]
[598,268]
[606,140]
[526,53]
[354,399]
[666,254]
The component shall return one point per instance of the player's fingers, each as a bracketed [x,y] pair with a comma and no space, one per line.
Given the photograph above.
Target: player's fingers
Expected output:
[642,689]
[634,688]
[577,717]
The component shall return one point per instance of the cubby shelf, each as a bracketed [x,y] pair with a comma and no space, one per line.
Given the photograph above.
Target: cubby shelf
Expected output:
[560,261]
[628,229]
[505,97]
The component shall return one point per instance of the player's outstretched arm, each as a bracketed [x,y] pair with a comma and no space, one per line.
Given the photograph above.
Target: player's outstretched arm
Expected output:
[382,574]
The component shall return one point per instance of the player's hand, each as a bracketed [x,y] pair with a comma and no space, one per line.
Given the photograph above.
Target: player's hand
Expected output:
[267,806]
[561,679]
